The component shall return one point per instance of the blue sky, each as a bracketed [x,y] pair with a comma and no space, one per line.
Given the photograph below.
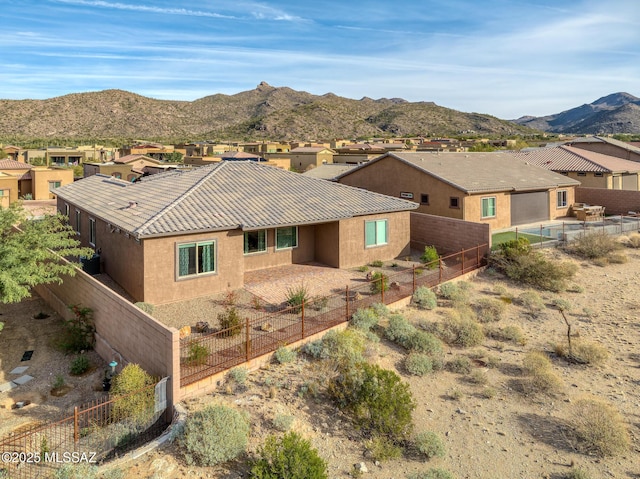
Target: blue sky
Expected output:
[507,58]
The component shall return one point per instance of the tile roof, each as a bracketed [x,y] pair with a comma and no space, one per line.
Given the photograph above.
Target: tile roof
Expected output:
[222,196]
[328,171]
[14,165]
[130,158]
[570,158]
[238,155]
[310,149]
[610,141]
[479,172]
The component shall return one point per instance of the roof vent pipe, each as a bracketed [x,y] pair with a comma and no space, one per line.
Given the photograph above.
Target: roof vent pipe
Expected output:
[133,204]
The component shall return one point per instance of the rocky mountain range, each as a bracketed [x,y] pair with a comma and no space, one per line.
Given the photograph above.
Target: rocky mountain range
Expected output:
[265,112]
[615,113]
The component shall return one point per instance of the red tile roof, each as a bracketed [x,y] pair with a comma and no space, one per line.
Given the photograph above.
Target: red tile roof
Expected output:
[14,165]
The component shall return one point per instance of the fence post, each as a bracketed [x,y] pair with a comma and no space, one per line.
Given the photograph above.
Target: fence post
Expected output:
[414,278]
[382,288]
[516,233]
[247,341]
[303,318]
[563,237]
[478,256]
[540,235]
[346,294]
[440,269]
[462,252]
[76,432]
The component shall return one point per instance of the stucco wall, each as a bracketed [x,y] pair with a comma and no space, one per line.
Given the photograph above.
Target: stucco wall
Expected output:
[327,243]
[615,201]
[554,211]
[473,210]
[591,181]
[41,178]
[448,235]
[608,149]
[352,240]
[304,252]
[10,185]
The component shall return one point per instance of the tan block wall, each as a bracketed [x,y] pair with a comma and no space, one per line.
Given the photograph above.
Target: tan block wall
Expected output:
[391,177]
[40,178]
[304,253]
[10,184]
[328,244]
[123,332]
[160,276]
[616,202]
[448,235]
[352,247]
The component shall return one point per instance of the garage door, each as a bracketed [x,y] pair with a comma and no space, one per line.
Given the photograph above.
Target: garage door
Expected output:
[529,207]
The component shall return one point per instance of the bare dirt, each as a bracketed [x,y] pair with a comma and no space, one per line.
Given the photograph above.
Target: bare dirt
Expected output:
[506,434]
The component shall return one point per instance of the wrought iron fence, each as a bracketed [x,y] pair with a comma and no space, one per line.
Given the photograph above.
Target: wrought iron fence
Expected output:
[95,432]
[259,333]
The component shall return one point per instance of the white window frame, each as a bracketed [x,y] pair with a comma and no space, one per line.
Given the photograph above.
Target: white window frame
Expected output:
[67,210]
[377,242]
[92,231]
[562,199]
[78,222]
[196,244]
[495,207]
[258,251]
[295,238]
[52,184]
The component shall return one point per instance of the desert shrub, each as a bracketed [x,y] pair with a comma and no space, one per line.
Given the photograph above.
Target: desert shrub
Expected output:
[363,269]
[284,355]
[197,353]
[633,240]
[381,310]
[501,290]
[478,377]
[561,304]
[536,270]
[461,330]
[599,427]
[430,257]
[576,473]
[379,282]
[365,319]
[134,396]
[376,398]
[80,365]
[459,364]
[315,349]
[424,298]
[288,457]
[593,245]
[214,435]
[585,352]
[377,263]
[399,329]
[58,382]
[453,292]
[618,258]
[298,296]
[230,321]
[514,248]
[511,333]
[532,302]
[490,309]
[433,473]
[424,342]
[78,330]
[541,377]
[418,364]
[283,422]
[146,307]
[343,347]
[429,444]
[381,448]
[575,288]
[239,375]
[488,393]
[75,471]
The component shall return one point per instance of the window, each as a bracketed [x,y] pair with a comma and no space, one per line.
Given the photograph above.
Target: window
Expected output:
[255,242]
[117,175]
[287,237]
[454,202]
[92,231]
[196,258]
[77,221]
[562,199]
[424,199]
[54,184]
[489,207]
[598,174]
[66,210]
[582,173]
[375,233]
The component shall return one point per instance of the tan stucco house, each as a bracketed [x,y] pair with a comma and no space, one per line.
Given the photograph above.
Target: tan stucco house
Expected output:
[305,157]
[129,167]
[591,169]
[494,188]
[185,234]
[607,146]
[22,180]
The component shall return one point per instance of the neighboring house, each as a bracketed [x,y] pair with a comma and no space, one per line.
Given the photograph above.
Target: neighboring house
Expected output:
[185,234]
[329,171]
[36,182]
[494,188]
[592,170]
[306,157]
[129,167]
[13,152]
[607,146]
[153,150]
[359,153]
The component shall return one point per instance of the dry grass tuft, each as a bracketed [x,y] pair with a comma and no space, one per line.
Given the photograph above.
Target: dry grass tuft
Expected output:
[600,428]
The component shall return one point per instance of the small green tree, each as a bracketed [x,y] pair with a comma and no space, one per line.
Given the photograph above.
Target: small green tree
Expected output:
[30,255]
[430,256]
[175,157]
[134,396]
